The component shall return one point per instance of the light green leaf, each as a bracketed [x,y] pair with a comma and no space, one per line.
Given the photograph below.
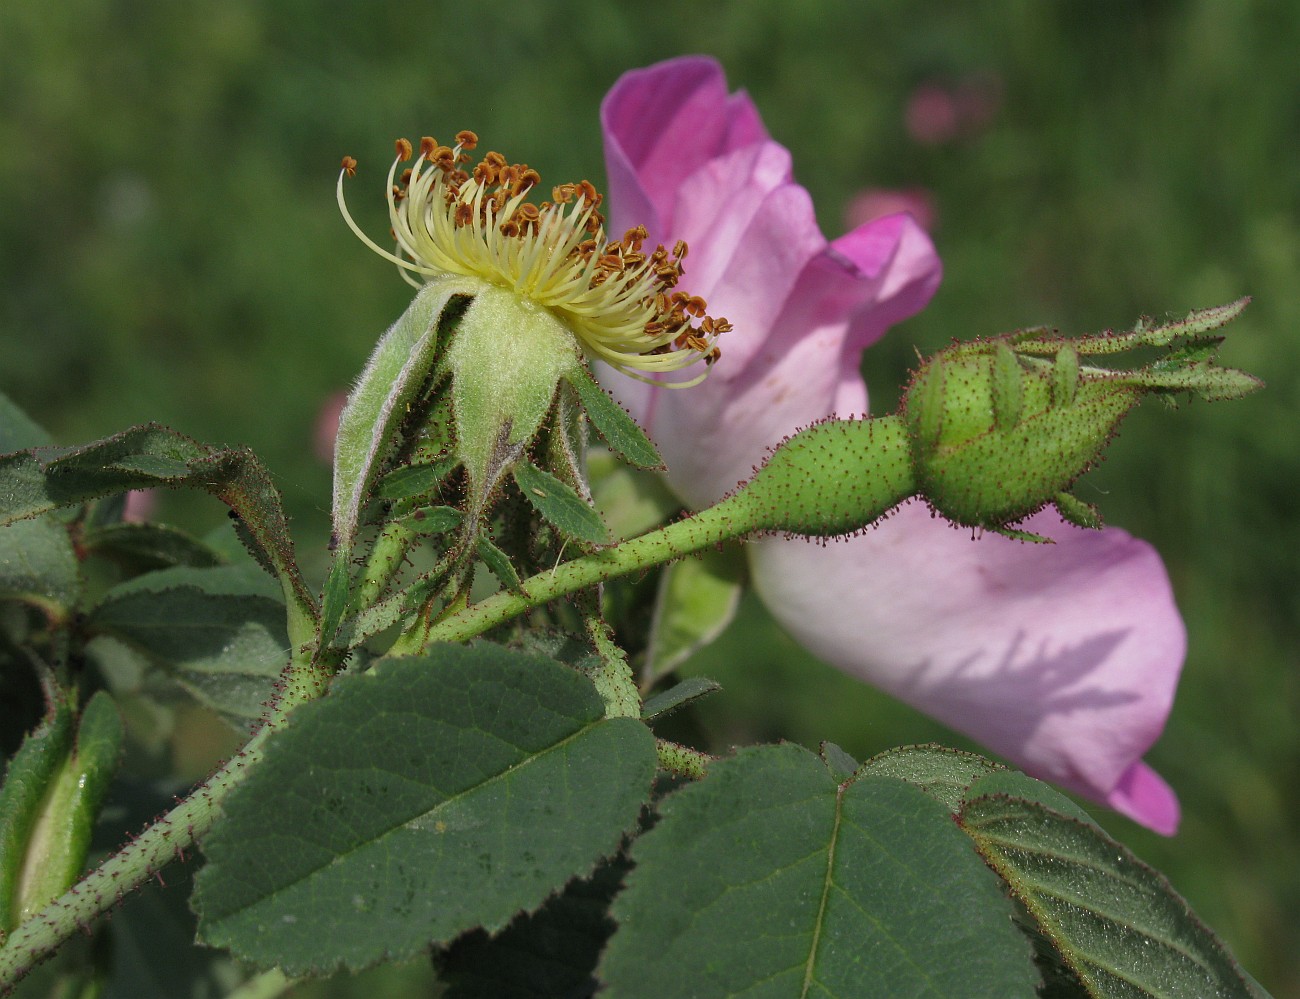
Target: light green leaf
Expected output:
[560,504]
[415,479]
[401,362]
[1117,923]
[841,765]
[943,773]
[31,772]
[697,599]
[419,800]
[771,878]
[432,520]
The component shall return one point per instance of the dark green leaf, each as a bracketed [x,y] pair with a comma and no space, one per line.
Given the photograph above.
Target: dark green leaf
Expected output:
[421,799]
[771,878]
[219,632]
[38,565]
[141,547]
[622,433]
[34,482]
[678,696]
[562,507]
[942,772]
[547,954]
[1117,923]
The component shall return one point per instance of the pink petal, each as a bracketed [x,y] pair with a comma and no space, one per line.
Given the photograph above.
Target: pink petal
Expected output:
[661,124]
[1144,797]
[1062,658]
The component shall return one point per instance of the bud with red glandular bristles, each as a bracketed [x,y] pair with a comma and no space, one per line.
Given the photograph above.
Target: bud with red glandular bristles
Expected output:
[1000,428]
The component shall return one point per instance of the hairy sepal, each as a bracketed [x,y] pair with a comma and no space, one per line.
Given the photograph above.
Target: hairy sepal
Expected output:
[400,365]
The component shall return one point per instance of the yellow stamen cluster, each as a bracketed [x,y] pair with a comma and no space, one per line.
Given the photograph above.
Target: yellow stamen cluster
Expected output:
[453,216]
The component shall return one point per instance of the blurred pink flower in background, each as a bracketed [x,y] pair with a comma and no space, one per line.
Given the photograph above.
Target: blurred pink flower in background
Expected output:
[140,505]
[1062,658]
[327,426]
[938,113]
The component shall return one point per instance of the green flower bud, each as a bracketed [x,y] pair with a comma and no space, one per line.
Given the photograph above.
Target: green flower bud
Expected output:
[506,360]
[1001,428]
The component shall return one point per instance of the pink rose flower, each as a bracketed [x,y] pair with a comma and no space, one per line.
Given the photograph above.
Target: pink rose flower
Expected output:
[1062,658]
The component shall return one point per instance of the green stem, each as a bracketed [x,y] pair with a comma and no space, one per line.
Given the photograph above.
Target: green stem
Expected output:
[35,939]
[732,518]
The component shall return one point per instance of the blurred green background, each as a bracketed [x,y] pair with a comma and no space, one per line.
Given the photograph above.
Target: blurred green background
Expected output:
[170,250]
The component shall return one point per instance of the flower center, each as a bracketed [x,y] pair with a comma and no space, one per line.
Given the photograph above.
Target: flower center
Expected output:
[452,216]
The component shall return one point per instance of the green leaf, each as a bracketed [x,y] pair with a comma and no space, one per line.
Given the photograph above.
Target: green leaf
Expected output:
[941,772]
[38,565]
[219,632]
[697,599]
[49,842]
[498,563]
[432,520]
[35,482]
[771,878]
[414,480]
[142,547]
[560,504]
[841,765]
[421,799]
[1012,783]
[541,955]
[334,599]
[18,431]
[622,433]
[1117,923]
[678,696]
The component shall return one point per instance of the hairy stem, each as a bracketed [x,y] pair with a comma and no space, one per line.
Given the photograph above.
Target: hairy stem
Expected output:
[732,518]
[813,485]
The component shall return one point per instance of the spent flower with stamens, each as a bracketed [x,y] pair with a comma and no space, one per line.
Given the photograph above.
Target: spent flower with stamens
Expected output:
[453,216]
